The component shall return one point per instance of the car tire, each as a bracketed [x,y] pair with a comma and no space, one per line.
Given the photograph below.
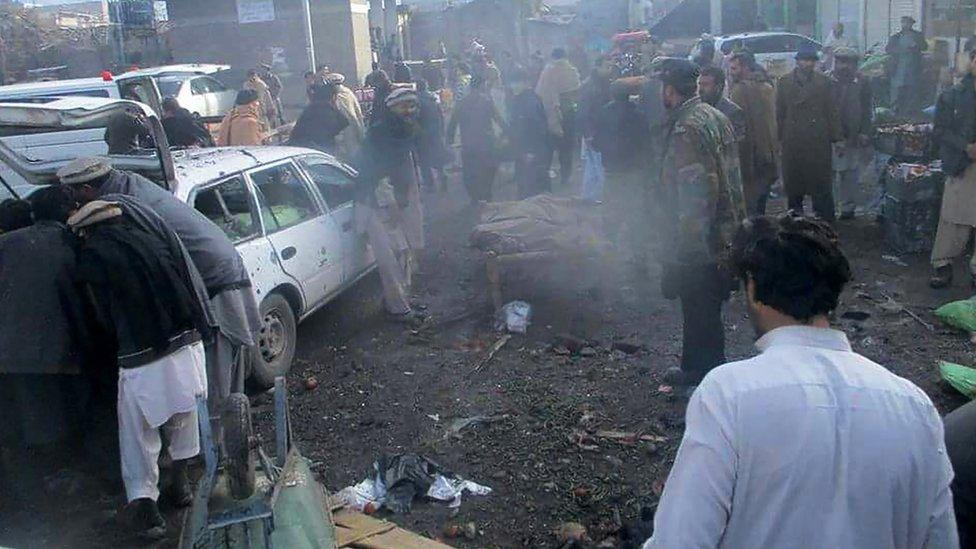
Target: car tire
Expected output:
[273,354]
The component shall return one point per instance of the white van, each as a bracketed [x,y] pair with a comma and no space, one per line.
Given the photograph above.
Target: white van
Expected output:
[192,84]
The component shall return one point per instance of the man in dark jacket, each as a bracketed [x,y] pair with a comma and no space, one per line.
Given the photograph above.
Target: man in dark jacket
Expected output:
[431,151]
[905,48]
[852,94]
[477,116]
[955,135]
[529,136]
[182,129]
[388,207]
[808,122]
[127,133]
[711,89]
[621,138]
[227,282]
[320,121]
[148,300]
[594,94]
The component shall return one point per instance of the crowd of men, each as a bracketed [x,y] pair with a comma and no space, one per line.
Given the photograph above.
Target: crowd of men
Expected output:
[808,443]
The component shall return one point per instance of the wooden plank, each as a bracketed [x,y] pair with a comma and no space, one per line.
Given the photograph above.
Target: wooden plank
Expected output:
[399,539]
[352,527]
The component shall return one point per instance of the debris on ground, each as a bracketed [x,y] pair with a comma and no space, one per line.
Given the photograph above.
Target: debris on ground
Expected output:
[514,317]
[460,424]
[857,316]
[894,259]
[468,530]
[397,480]
[962,378]
[358,530]
[311,383]
[628,346]
[570,342]
[491,353]
[571,531]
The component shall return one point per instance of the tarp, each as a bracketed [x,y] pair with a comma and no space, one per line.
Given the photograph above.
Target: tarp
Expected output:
[543,223]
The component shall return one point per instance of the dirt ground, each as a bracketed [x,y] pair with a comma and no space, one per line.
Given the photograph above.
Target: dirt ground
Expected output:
[386,389]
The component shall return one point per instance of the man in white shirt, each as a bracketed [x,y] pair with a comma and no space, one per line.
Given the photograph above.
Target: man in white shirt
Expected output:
[808,444]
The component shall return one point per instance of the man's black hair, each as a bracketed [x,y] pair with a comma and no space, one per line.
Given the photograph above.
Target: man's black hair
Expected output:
[308,73]
[14,214]
[745,57]
[321,67]
[464,68]
[53,203]
[170,104]
[558,53]
[252,72]
[795,263]
[246,97]
[716,74]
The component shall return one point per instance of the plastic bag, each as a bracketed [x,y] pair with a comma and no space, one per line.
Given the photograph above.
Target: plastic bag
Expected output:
[514,317]
[962,378]
[959,314]
[593,174]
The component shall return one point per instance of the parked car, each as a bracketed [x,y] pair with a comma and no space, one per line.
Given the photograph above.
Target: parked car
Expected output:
[289,211]
[774,51]
[193,84]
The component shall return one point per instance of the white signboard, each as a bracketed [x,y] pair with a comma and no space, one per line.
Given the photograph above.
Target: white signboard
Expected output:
[255,11]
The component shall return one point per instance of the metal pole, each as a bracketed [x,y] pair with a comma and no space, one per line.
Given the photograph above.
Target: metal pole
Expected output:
[309,41]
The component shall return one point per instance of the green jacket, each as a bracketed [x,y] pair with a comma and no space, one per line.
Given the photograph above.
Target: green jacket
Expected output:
[701,184]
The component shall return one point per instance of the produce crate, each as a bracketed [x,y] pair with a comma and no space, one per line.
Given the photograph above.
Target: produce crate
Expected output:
[905,141]
[913,198]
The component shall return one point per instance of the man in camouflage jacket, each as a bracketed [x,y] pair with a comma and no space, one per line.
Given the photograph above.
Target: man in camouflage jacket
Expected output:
[701,187]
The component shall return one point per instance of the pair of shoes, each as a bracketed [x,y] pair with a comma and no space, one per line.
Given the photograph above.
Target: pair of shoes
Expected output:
[941,277]
[141,517]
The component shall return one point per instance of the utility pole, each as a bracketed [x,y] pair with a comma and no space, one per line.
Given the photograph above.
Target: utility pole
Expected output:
[309,41]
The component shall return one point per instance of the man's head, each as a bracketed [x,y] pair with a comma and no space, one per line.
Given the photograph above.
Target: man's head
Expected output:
[376,66]
[322,69]
[838,29]
[403,103]
[558,53]
[679,78]
[907,22]
[171,106]
[252,74]
[323,92]
[972,63]
[54,203]
[845,61]
[14,214]
[85,177]
[246,97]
[741,65]
[806,58]
[309,77]
[711,85]
[793,270]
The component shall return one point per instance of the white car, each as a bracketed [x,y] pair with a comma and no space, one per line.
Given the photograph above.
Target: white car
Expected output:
[288,210]
[202,95]
[774,51]
[192,84]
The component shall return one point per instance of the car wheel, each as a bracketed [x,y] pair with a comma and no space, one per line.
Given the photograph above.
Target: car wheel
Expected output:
[273,354]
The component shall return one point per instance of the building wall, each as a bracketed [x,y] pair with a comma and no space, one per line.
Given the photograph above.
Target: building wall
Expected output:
[209,31]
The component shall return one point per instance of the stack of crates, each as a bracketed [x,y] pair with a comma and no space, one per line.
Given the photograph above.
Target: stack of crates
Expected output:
[913,198]
[913,184]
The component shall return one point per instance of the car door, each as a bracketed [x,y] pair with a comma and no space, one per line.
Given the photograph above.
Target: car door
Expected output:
[230,205]
[202,96]
[299,230]
[338,191]
[220,99]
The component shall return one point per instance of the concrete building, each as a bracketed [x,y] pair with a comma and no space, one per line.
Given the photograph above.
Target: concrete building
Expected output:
[868,22]
[243,33]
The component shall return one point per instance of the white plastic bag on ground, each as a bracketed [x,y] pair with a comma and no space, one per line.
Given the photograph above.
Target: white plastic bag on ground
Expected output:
[357,497]
[451,489]
[514,317]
